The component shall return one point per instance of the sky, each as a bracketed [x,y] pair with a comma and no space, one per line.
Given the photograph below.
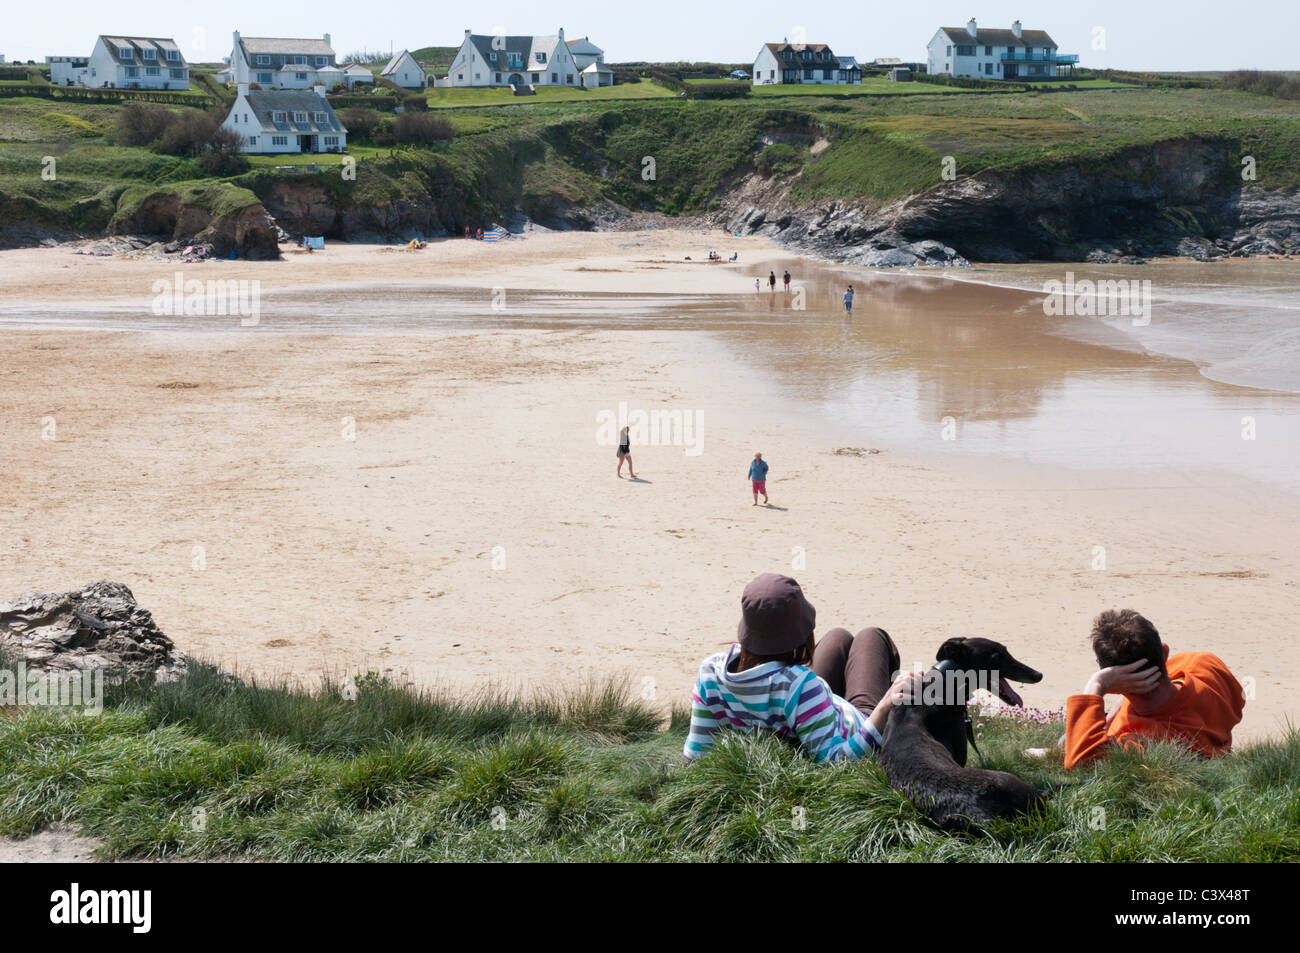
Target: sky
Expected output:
[1116,34]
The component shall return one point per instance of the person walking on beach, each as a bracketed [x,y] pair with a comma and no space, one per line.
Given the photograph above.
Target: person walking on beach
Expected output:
[848,299]
[758,477]
[771,281]
[787,281]
[625,453]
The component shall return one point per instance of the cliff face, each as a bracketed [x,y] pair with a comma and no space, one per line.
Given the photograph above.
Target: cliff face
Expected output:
[1174,198]
[203,218]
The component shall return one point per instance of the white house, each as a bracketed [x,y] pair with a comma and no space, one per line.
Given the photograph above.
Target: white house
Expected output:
[487,60]
[787,62]
[285,121]
[405,72]
[997,54]
[354,73]
[281,62]
[590,59]
[124,62]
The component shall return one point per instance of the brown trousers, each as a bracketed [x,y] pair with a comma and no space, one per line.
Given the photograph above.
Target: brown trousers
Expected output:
[858,668]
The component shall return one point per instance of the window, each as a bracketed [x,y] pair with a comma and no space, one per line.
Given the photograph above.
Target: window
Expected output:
[152,71]
[988,51]
[949,53]
[320,60]
[493,56]
[279,140]
[320,118]
[263,60]
[132,71]
[173,55]
[537,78]
[279,117]
[498,77]
[299,116]
[826,74]
[252,140]
[301,76]
[149,54]
[125,54]
[264,77]
[555,78]
[300,61]
[541,57]
[177,73]
[331,140]
[988,69]
[965,51]
[570,79]
[808,74]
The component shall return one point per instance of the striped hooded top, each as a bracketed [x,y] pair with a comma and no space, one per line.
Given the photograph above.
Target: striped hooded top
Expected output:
[788,699]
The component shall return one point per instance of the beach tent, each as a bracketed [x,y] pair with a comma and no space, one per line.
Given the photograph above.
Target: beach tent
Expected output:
[314,243]
[494,234]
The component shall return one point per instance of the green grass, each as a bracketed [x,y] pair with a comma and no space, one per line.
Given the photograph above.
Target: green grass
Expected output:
[443,98]
[210,767]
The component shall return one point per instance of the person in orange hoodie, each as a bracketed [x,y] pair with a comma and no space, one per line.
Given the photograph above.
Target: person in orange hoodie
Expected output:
[1190,698]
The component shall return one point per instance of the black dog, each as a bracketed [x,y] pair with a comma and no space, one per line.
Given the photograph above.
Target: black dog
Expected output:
[924,753]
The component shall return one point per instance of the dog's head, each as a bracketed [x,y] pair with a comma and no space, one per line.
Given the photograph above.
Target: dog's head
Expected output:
[990,659]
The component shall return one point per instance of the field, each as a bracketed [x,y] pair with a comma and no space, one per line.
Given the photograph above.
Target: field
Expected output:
[364,770]
[442,98]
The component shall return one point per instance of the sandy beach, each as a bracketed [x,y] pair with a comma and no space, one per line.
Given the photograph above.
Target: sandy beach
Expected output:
[440,505]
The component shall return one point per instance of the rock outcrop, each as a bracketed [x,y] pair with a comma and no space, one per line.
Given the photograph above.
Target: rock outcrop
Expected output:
[1173,198]
[98,627]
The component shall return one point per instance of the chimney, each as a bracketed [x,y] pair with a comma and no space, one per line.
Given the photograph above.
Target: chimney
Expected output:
[970,27]
[561,34]
[243,89]
[1015,28]
[467,34]
[327,39]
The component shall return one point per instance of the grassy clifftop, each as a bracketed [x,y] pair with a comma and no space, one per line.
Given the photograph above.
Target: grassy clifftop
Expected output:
[367,770]
[672,155]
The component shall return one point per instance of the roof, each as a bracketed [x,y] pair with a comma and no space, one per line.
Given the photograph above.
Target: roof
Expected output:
[266,102]
[846,62]
[584,42]
[790,52]
[357,68]
[526,46]
[598,68]
[392,63]
[293,47]
[959,34]
[139,43]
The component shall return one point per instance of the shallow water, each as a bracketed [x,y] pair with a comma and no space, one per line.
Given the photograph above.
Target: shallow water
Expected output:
[963,362]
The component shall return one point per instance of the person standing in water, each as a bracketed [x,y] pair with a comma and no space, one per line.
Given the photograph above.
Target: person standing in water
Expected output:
[758,477]
[848,299]
[771,281]
[787,281]
[625,453]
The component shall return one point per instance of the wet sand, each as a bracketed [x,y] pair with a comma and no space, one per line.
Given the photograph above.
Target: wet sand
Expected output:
[434,502]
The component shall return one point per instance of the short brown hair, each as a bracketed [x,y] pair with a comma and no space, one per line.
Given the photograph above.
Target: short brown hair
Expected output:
[803,655]
[1124,636]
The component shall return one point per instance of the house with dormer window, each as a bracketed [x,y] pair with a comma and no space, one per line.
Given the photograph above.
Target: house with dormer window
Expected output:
[984,53]
[788,62]
[285,121]
[284,63]
[499,60]
[125,62]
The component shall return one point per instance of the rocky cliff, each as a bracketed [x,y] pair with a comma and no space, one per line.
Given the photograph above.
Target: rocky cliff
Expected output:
[1176,198]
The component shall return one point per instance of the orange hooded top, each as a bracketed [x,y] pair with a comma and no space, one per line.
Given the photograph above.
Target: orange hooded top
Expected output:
[1202,715]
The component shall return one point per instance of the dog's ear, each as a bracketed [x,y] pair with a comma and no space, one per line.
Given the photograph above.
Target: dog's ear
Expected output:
[954,649]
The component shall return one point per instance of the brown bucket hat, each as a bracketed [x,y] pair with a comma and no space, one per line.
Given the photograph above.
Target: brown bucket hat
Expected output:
[774,615]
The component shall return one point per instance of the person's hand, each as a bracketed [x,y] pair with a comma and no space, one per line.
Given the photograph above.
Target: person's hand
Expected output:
[1135,678]
[905,688]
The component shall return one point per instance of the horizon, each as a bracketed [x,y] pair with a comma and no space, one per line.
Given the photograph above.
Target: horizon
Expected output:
[1106,34]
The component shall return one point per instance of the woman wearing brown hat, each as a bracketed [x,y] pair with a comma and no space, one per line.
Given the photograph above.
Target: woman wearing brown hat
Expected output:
[832,697]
